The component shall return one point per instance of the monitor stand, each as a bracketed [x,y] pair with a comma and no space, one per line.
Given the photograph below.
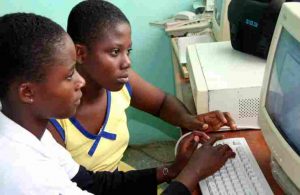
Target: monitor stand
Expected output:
[282,179]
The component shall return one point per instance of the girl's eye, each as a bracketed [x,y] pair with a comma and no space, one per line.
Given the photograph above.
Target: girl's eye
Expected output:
[115,52]
[129,51]
[70,76]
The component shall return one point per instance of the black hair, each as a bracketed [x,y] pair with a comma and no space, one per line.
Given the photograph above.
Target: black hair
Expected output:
[27,45]
[90,20]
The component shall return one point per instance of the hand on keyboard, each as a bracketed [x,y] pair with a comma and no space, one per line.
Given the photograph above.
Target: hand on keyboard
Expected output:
[239,176]
[185,149]
[204,162]
[213,157]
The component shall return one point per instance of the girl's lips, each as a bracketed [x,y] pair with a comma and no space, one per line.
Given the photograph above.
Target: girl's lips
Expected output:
[77,102]
[123,80]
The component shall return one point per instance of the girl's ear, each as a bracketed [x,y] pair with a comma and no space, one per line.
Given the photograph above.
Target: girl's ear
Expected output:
[26,92]
[81,53]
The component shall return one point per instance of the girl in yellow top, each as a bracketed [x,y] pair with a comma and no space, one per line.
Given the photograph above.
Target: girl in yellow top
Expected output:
[102,36]
[109,144]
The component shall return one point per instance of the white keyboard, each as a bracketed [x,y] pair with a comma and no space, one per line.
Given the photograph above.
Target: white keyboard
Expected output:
[238,176]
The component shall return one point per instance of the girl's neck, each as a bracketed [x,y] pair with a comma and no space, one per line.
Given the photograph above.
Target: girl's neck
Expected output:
[92,91]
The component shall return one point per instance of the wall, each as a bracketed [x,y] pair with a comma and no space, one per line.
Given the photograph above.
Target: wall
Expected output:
[57,10]
[151,56]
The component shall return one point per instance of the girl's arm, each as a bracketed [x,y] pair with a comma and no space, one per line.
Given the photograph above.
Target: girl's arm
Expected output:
[151,99]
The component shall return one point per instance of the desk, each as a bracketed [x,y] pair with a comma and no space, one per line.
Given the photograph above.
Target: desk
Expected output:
[254,138]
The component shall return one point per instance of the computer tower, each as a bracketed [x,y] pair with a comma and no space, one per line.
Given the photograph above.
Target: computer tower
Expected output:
[225,79]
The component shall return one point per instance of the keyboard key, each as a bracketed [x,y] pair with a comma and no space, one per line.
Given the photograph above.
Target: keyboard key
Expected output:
[236,143]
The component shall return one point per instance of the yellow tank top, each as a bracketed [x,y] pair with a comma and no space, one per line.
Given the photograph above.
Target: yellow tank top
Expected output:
[104,151]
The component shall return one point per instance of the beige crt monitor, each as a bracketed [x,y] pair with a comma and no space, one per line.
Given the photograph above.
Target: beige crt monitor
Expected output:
[279,115]
[220,23]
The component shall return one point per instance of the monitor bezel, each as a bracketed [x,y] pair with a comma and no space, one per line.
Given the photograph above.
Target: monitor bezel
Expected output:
[221,32]
[286,157]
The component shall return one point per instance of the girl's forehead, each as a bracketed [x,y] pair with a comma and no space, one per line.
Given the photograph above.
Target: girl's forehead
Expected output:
[113,39]
[117,29]
[64,56]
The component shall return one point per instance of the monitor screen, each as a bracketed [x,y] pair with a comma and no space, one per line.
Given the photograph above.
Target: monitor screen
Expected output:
[283,95]
[218,11]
